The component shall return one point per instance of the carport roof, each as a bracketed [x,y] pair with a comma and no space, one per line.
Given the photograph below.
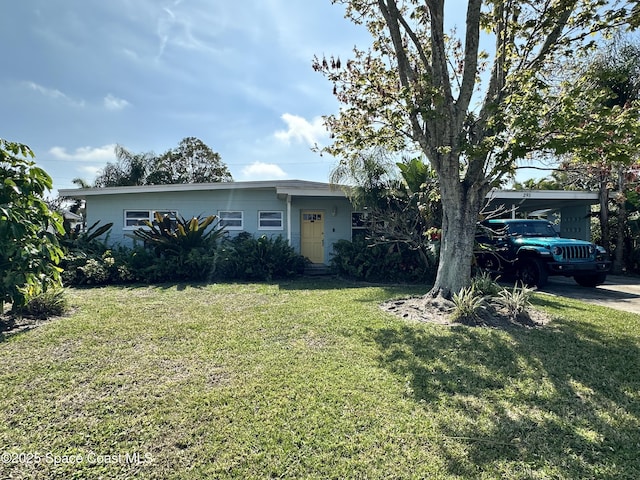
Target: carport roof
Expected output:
[529,200]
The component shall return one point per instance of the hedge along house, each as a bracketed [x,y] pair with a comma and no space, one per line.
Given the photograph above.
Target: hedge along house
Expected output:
[312,216]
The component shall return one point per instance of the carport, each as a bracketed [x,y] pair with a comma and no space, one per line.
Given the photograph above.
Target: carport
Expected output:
[574,207]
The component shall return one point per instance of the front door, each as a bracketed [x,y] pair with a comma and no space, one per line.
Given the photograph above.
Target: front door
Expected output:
[312,235]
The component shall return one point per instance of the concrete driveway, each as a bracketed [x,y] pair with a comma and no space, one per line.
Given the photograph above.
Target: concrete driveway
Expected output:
[619,292]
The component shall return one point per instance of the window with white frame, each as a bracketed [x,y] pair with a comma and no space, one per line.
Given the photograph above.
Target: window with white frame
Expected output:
[231,219]
[137,218]
[270,220]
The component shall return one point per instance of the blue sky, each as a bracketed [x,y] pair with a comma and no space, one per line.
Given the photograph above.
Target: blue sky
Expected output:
[80,76]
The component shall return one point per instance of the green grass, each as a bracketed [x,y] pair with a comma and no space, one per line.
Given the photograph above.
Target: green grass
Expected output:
[312,380]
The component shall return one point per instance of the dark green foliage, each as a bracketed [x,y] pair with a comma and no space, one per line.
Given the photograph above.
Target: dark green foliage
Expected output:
[179,250]
[184,249]
[196,265]
[87,259]
[79,239]
[396,262]
[245,257]
[46,304]
[29,249]
[191,162]
[178,239]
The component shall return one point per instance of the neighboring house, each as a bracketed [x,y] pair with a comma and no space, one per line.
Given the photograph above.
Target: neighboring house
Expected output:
[72,219]
[312,216]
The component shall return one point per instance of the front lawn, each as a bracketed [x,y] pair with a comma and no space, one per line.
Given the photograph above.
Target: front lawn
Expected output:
[312,380]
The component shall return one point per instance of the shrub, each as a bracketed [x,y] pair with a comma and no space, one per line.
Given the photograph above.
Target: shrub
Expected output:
[485,284]
[179,236]
[467,305]
[245,257]
[46,304]
[29,249]
[360,260]
[515,301]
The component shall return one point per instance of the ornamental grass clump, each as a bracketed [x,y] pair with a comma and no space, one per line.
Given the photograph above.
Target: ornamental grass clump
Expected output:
[515,301]
[485,284]
[468,303]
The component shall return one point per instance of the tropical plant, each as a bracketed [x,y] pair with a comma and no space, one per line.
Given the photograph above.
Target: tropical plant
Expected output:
[467,305]
[29,248]
[191,162]
[177,236]
[515,301]
[417,88]
[47,304]
[400,209]
[485,284]
[360,259]
[245,257]
[78,238]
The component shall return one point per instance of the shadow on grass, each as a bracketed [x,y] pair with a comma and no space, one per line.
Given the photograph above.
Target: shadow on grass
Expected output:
[332,282]
[562,401]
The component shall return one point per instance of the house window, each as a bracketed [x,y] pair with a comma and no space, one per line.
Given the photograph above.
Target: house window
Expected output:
[231,220]
[358,221]
[270,220]
[136,218]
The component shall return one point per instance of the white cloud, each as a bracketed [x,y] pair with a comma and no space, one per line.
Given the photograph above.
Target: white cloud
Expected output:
[302,130]
[112,102]
[53,93]
[90,170]
[102,154]
[263,171]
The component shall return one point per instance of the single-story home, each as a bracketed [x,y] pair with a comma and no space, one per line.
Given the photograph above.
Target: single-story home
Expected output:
[312,216]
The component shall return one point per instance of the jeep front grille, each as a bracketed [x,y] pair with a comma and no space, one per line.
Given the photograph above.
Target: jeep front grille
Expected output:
[576,252]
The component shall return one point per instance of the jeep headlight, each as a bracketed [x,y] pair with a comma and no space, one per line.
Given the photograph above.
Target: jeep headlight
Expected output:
[557,251]
[592,249]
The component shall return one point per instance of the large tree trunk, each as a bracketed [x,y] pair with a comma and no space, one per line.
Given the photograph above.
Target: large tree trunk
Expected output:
[461,205]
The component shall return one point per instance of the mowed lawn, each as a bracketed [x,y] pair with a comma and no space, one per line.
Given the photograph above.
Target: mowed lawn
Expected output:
[310,379]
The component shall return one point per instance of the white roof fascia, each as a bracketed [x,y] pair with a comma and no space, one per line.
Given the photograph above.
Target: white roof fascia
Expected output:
[542,195]
[310,192]
[294,185]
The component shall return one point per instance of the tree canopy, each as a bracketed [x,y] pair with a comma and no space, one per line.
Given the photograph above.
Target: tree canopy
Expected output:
[192,161]
[29,249]
[471,112]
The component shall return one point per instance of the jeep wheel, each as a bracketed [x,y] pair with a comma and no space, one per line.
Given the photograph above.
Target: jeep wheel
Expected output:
[532,272]
[590,281]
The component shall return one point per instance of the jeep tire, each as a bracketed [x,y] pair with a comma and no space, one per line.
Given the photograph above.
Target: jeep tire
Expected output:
[532,272]
[590,280]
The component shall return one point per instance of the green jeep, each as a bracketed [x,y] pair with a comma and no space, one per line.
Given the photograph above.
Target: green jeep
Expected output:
[533,250]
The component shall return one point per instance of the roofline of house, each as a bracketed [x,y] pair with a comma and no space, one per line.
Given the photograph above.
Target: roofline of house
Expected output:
[282,187]
[306,188]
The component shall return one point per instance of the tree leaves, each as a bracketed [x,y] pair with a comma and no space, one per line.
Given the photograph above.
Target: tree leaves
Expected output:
[29,249]
[191,162]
